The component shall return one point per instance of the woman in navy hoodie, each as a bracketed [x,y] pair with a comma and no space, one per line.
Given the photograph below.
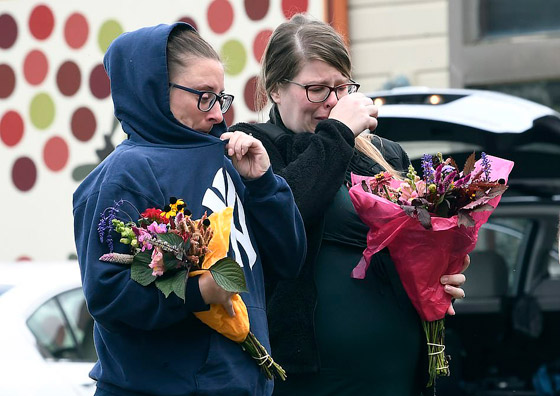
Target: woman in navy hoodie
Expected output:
[167,87]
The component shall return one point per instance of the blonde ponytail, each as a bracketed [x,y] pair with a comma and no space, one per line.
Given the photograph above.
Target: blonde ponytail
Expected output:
[365,146]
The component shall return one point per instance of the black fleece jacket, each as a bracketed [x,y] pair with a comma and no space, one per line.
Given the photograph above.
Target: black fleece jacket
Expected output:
[303,159]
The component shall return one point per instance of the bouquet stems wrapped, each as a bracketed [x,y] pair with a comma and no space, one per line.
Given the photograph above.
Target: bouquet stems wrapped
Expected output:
[235,328]
[429,225]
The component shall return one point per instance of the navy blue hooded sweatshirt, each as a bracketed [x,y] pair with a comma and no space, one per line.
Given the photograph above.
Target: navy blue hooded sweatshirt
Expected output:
[146,343]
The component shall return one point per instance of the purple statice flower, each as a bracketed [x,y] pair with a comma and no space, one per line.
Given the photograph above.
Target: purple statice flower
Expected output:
[486,167]
[105,225]
[428,168]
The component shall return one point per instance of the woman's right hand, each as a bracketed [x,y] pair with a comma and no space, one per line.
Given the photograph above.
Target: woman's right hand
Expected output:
[212,293]
[357,112]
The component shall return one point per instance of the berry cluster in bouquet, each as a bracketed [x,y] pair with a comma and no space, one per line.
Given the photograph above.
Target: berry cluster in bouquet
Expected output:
[429,224]
[168,246]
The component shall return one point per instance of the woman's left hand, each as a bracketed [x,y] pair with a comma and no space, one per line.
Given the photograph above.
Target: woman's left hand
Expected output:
[247,154]
[452,284]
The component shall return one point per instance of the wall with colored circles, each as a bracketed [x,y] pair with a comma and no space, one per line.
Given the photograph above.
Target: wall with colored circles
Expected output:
[56,113]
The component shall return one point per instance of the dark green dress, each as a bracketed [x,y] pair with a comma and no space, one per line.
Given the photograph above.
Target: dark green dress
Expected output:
[368,333]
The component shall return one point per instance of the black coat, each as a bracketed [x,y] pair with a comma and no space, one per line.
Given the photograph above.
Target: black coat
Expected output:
[302,159]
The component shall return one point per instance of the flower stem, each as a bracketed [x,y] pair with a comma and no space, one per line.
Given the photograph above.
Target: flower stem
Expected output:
[255,349]
[438,364]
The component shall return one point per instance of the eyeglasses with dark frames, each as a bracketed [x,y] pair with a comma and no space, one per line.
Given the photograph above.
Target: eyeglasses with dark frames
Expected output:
[207,99]
[318,93]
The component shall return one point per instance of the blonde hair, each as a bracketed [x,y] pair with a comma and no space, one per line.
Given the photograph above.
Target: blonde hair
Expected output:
[364,145]
[300,40]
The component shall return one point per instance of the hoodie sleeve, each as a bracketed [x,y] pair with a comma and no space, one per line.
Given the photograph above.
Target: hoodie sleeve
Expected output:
[276,225]
[114,299]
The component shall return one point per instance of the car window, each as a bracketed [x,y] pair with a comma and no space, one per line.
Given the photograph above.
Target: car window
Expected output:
[417,148]
[554,262]
[63,328]
[505,236]
[80,321]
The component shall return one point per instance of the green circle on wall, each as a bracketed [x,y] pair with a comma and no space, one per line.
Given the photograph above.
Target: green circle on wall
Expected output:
[234,56]
[109,31]
[41,111]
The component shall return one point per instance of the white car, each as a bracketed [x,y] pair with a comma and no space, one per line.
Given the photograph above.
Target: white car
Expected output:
[46,332]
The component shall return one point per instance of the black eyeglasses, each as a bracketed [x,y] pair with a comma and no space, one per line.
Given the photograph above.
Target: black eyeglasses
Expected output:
[206,99]
[318,93]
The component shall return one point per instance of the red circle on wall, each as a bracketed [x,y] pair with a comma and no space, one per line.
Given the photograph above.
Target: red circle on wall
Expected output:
[23,258]
[260,42]
[35,67]
[291,7]
[229,116]
[190,21]
[220,16]
[99,83]
[55,153]
[41,22]
[11,128]
[8,78]
[249,93]
[256,9]
[83,124]
[76,30]
[8,31]
[68,78]
[24,173]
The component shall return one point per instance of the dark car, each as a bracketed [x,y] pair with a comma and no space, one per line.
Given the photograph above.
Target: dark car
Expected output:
[509,323]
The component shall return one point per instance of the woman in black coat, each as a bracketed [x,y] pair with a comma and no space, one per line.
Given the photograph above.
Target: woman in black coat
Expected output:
[334,335]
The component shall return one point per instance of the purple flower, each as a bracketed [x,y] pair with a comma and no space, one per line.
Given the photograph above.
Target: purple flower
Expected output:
[447,181]
[143,237]
[105,225]
[428,168]
[486,167]
[156,228]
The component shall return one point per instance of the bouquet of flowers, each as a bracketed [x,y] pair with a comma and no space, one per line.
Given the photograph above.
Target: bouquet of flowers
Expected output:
[168,246]
[429,225]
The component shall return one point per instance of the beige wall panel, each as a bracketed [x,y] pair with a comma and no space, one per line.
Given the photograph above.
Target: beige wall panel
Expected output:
[372,83]
[400,57]
[398,21]
[433,79]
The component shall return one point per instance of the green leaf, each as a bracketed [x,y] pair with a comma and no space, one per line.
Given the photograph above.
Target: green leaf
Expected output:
[165,284]
[174,282]
[171,238]
[180,283]
[169,261]
[139,271]
[229,275]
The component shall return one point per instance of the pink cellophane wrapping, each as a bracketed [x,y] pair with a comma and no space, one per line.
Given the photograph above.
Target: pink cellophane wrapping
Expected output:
[421,256]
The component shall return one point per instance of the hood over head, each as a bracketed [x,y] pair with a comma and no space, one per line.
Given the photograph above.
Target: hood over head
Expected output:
[136,63]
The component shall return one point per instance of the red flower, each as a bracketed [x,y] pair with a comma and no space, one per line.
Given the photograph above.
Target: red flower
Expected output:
[156,215]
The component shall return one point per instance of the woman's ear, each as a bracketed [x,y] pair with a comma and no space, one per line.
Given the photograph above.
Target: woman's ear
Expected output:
[275,95]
